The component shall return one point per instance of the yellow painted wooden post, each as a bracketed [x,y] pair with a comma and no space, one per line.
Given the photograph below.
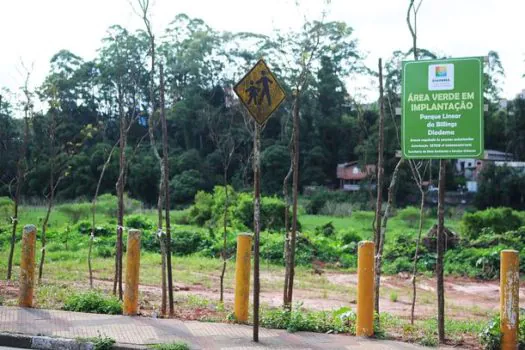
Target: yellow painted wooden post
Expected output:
[509,298]
[27,267]
[365,289]
[242,276]
[131,294]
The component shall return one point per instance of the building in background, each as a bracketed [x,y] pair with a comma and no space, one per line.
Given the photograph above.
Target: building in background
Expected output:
[352,177]
[470,168]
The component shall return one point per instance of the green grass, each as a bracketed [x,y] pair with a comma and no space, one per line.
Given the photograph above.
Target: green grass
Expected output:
[362,222]
[359,220]
[172,346]
[66,272]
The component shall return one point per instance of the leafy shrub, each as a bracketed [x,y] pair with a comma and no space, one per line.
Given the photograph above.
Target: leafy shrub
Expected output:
[104,252]
[490,336]
[185,185]
[84,228]
[347,260]
[272,212]
[201,212]
[209,210]
[93,302]
[139,222]
[325,249]
[306,250]
[309,247]
[333,208]
[188,242]
[481,263]
[410,215]
[500,220]
[327,229]
[183,242]
[298,319]
[401,264]
[216,245]
[349,236]
[108,205]
[54,247]
[172,346]
[103,343]
[319,199]
[181,217]
[272,247]
[6,208]
[150,242]
[393,297]
[75,211]
[399,256]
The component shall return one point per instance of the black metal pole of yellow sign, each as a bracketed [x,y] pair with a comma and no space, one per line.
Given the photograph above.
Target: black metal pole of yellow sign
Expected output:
[256,227]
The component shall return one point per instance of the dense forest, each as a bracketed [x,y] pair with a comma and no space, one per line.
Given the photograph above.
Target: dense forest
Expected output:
[210,133]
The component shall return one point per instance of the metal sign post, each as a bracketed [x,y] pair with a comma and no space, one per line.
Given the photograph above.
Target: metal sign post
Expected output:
[261,94]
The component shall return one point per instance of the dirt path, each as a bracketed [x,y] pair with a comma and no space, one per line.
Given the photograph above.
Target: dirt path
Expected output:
[465,298]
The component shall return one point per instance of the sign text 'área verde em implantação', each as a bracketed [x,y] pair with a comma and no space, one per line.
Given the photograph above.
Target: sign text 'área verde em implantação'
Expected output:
[443,108]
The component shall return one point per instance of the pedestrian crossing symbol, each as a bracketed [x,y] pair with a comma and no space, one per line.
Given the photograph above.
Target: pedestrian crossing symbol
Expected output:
[260,92]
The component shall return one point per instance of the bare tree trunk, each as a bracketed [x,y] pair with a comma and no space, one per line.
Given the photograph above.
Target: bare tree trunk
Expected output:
[286,302]
[380,175]
[257,228]
[165,165]
[162,240]
[14,220]
[21,167]
[295,195]
[381,243]
[225,233]
[440,243]
[165,246]
[164,303]
[44,224]
[415,172]
[416,255]
[52,188]
[94,211]
[120,195]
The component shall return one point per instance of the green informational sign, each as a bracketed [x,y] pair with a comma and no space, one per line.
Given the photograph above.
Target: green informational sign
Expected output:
[443,108]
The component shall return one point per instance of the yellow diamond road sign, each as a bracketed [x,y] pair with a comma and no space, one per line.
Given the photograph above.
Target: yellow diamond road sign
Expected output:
[260,92]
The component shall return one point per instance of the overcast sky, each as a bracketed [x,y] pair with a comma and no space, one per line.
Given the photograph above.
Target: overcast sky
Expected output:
[33,30]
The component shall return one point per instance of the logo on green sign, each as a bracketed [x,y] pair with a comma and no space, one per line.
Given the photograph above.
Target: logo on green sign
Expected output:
[443,108]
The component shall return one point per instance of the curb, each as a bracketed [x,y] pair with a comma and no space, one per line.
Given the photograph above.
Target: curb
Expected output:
[15,340]
[49,343]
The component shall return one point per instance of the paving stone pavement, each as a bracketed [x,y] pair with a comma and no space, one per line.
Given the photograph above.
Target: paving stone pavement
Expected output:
[199,335]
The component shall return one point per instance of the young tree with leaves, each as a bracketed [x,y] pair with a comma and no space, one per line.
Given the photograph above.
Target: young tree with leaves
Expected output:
[164,237]
[21,169]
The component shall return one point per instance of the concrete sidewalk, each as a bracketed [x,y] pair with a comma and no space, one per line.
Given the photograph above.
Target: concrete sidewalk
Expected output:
[199,335]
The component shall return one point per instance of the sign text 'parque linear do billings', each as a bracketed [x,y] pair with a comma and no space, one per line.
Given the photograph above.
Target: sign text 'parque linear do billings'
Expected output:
[443,109]
[260,92]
